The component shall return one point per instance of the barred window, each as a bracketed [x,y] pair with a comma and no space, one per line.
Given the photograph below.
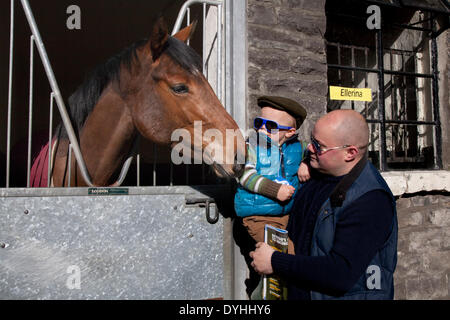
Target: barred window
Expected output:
[399,64]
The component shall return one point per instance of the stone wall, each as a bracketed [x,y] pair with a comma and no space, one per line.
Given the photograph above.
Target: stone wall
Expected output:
[286,55]
[423,268]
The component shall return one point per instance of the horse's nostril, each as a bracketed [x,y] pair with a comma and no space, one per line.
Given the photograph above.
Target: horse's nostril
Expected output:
[238,169]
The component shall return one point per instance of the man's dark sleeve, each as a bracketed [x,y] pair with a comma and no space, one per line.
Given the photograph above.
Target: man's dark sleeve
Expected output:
[360,232]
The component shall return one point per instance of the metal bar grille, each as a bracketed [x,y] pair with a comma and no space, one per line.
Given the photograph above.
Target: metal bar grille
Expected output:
[10,79]
[395,114]
[53,84]
[173,176]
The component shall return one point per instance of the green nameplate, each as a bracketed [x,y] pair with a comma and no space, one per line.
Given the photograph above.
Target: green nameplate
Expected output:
[107,191]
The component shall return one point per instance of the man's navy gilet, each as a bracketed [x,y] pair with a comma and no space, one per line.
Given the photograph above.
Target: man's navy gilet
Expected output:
[272,163]
[377,281]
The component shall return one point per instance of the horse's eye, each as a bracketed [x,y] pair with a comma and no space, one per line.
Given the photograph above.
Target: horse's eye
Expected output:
[180,88]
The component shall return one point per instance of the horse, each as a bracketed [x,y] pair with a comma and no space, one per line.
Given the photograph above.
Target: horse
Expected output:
[151,88]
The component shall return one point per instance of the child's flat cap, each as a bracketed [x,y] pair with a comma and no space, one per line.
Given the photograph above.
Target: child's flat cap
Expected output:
[284,104]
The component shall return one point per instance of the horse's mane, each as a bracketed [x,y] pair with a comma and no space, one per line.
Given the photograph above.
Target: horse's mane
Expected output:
[84,99]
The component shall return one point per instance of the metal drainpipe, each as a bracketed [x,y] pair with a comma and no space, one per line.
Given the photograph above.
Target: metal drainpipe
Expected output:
[381,102]
[435,81]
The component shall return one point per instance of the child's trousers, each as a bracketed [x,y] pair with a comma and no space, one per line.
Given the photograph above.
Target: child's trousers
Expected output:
[255,226]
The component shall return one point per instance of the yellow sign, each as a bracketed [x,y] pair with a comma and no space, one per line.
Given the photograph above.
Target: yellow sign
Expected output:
[356,94]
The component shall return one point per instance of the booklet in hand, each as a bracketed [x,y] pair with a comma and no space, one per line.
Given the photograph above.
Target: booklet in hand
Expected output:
[274,287]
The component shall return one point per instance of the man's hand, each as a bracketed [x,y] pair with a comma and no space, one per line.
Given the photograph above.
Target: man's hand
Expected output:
[262,258]
[303,172]
[285,192]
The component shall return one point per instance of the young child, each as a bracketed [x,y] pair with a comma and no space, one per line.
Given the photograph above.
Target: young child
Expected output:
[273,167]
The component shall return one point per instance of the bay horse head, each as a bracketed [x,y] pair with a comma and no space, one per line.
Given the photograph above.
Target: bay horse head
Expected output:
[153,88]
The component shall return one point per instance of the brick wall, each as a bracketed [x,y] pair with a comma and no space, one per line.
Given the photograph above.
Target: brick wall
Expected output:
[423,267]
[286,54]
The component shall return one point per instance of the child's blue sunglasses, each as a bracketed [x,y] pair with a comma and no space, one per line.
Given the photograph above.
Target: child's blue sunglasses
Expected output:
[270,124]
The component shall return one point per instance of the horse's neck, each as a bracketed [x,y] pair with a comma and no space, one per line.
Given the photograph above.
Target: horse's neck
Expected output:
[107,136]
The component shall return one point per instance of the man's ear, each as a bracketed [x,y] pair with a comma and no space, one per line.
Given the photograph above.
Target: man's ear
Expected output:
[158,38]
[351,153]
[186,33]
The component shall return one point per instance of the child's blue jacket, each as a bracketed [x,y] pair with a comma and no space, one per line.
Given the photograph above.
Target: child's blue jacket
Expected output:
[272,162]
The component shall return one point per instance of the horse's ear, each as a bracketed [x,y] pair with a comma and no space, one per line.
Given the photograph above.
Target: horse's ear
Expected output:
[158,38]
[186,33]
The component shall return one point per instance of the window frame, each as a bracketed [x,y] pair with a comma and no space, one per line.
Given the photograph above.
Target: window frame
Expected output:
[381,71]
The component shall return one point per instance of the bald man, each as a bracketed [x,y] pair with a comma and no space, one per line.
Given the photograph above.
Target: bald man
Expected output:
[343,223]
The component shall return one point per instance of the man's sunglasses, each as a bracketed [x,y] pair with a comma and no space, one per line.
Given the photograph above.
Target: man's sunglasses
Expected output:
[320,150]
[270,124]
